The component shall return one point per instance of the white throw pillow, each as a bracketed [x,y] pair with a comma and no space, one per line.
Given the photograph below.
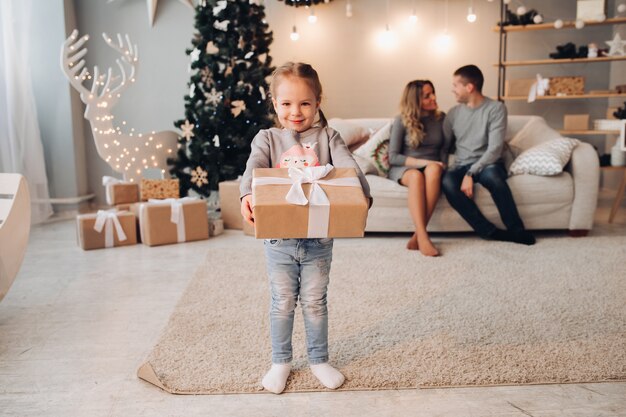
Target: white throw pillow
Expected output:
[365,165]
[533,133]
[376,149]
[547,158]
[351,133]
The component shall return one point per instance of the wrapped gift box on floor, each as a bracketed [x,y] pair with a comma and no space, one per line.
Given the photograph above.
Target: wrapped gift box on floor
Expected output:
[162,222]
[159,189]
[312,202]
[120,192]
[230,204]
[105,229]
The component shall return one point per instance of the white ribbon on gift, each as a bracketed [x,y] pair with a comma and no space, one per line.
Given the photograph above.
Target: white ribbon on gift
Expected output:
[107,181]
[319,205]
[107,220]
[177,214]
[539,88]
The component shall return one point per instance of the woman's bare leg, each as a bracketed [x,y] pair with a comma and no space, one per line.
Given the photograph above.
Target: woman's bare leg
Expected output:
[415,181]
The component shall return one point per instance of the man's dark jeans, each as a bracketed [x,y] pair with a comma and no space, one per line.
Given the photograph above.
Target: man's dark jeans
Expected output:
[493,178]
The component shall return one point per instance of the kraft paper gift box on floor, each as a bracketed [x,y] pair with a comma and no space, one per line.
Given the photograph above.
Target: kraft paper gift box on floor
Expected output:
[120,192]
[159,189]
[230,204]
[106,229]
[312,202]
[162,222]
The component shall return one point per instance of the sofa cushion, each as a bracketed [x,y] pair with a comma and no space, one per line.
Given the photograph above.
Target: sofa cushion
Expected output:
[534,132]
[351,133]
[376,149]
[526,189]
[547,158]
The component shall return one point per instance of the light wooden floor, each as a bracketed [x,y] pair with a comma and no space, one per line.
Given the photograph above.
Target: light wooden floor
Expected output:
[76,325]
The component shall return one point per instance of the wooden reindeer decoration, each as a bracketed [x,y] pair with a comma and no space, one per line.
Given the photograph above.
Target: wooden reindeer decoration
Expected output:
[128,154]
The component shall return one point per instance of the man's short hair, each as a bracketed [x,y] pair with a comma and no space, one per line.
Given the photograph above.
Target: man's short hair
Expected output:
[472,74]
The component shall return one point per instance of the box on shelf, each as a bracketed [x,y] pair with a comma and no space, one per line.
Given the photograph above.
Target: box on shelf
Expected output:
[159,226]
[590,9]
[607,124]
[521,87]
[275,217]
[566,86]
[576,122]
[159,189]
[103,232]
[120,192]
[230,205]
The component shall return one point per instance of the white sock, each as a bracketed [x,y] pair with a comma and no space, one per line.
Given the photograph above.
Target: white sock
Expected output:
[327,375]
[276,378]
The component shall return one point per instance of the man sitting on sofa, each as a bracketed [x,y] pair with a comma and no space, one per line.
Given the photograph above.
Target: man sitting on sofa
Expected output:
[476,128]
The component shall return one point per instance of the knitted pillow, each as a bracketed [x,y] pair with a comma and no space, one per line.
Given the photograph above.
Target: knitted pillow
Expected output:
[376,149]
[351,133]
[547,158]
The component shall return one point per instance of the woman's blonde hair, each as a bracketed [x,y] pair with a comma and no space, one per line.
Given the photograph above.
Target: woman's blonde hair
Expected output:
[307,73]
[410,110]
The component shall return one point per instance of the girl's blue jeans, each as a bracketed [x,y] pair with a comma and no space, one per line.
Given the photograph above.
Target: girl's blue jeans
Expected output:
[299,269]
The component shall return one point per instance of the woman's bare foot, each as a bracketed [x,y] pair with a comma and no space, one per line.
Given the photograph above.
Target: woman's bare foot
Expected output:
[427,248]
[412,243]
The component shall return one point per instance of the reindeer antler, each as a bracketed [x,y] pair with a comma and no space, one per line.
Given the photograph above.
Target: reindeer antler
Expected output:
[71,67]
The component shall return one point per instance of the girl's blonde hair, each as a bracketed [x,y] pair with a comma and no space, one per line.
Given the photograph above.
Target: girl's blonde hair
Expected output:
[308,74]
[410,110]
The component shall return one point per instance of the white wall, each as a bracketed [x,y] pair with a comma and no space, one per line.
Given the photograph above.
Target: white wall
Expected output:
[359,78]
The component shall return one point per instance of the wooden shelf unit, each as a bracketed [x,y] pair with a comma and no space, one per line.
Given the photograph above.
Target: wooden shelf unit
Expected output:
[566,25]
[589,132]
[570,97]
[561,61]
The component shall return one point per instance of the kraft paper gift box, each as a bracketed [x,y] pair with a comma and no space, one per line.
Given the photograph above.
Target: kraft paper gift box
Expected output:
[521,87]
[230,204]
[159,189]
[106,229]
[576,122]
[162,222]
[567,86]
[120,192]
[333,205]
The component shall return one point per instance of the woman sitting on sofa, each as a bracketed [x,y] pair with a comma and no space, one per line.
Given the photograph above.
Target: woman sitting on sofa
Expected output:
[416,155]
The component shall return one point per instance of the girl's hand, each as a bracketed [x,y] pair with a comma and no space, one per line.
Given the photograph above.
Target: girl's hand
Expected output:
[246,209]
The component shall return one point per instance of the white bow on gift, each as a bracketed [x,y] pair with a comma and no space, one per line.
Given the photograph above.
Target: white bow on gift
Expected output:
[106,181]
[177,215]
[539,88]
[319,205]
[107,219]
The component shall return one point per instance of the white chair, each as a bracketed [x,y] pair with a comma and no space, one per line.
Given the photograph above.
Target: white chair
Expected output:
[14,227]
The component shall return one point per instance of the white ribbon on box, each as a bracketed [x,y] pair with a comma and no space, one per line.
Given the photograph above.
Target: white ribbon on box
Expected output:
[319,205]
[107,219]
[177,214]
[539,88]
[107,182]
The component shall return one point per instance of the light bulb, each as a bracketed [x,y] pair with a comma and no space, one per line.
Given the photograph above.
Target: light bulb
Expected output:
[579,24]
[348,9]
[471,16]
[521,10]
[312,17]
[294,34]
[413,17]
[538,19]
[621,8]
[558,24]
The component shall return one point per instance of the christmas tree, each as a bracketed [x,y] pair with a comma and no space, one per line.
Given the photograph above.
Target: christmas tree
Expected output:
[227,103]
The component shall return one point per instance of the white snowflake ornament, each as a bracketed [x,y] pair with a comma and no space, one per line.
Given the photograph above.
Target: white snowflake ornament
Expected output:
[617,46]
[199,176]
[195,55]
[221,5]
[214,97]
[223,26]
[187,129]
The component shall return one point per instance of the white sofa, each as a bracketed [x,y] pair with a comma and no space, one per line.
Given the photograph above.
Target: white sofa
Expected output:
[565,201]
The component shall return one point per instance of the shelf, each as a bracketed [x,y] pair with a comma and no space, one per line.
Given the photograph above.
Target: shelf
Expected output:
[572,97]
[589,132]
[566,25]
[562,61]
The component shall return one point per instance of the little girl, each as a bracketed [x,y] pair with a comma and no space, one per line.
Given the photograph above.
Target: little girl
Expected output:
[297,268]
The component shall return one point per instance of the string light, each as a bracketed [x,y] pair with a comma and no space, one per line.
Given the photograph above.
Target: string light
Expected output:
[312,18]
[348,9]
[294,34]
[413,16]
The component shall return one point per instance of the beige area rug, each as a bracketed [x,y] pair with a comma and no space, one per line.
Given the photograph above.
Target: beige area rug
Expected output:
[485,313]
